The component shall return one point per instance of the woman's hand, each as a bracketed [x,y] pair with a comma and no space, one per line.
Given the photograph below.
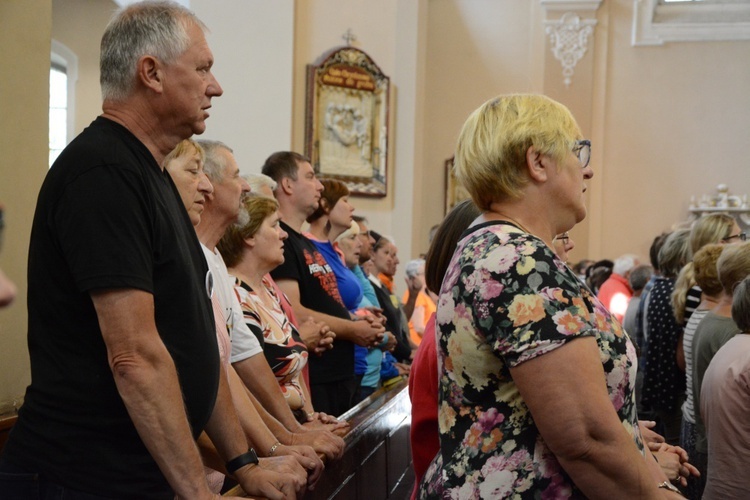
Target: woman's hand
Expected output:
[649,436]
[390,344]
[673,460]
[324,442]
[317,337]
[402,368]
[323,421]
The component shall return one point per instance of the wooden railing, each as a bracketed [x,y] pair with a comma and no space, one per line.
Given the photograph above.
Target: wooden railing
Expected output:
[377,459]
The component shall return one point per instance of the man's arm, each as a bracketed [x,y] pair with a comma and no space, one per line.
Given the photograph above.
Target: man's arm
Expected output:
[272,479]
[146,379]
[362,332]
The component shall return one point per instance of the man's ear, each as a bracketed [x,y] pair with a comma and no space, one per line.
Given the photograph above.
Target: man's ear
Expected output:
[537,165]
[286,185]
[149,73]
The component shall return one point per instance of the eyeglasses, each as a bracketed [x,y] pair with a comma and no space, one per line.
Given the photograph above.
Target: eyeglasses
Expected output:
[741,236]
[563,238]
[582,150]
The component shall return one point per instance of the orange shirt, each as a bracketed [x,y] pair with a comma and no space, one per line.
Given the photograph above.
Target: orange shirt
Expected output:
[423,309]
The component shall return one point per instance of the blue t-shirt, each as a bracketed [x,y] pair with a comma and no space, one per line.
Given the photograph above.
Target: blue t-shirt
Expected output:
[349,287]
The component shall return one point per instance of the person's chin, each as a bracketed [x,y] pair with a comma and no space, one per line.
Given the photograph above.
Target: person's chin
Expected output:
[199,127]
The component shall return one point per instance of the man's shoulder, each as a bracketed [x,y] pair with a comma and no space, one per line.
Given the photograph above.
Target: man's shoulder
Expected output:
[103,143]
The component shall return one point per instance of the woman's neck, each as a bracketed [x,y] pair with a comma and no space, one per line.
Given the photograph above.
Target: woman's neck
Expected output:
[521,217]
[708,302]
[320,228]
[723,306]
[249,271]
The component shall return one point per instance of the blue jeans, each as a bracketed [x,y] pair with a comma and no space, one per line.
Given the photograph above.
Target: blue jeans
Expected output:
[17,483]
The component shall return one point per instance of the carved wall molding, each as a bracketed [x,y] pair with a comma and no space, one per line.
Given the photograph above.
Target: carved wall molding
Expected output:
[655,23]
[570,5]
[569,37]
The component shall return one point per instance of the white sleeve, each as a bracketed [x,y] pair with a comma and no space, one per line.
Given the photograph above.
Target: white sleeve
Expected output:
[244,342]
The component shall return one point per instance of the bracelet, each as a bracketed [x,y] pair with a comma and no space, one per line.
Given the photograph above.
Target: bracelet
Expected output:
[273,449]
[668,486]
[249,457]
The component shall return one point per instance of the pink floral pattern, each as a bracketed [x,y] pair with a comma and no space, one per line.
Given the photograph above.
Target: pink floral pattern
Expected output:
[507,298]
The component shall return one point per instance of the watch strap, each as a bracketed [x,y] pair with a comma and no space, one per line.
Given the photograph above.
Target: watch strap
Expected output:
[249,457]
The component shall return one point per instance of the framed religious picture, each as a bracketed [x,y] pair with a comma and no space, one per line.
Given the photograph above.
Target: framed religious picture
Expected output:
[454,191]
[346,123]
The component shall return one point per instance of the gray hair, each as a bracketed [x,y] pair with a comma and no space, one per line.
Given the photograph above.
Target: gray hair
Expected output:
[413,267]
[215,163]
[624,263]
[155,28]
[675,253]
[741,305]
[639,276]
[259,181]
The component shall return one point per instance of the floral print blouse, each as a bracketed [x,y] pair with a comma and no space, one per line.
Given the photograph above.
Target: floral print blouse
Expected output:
[506,298]
[283,348]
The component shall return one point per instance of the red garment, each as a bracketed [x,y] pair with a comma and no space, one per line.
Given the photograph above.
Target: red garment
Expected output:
[423,391]
[615,293]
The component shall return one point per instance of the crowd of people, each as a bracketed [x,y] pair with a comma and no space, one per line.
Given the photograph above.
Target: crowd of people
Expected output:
[191,328]
[592,379]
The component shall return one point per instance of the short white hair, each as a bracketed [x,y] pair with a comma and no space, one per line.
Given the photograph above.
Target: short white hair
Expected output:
[413,267]
[352,231]
[259,181]
[625,263]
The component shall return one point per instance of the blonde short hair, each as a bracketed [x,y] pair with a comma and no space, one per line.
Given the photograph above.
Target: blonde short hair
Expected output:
[352,231]
[733,266]
[185,147]
[491,150]
[711,228]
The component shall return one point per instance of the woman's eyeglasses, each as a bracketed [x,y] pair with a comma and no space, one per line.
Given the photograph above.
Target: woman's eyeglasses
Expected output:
[741,236]
[582,150]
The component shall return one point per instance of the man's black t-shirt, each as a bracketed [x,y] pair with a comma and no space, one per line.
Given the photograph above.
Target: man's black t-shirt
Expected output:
[319,291]
[107,217]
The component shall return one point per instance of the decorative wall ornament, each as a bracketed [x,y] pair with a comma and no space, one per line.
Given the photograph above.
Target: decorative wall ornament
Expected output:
[569,37]
[721,202]
[347,119]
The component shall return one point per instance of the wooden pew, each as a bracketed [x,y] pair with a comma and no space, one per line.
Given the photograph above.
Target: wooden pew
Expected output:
[377,458]
[6,422]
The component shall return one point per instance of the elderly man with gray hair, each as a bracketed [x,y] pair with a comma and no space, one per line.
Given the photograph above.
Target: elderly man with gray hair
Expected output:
[124,360]
[615,293]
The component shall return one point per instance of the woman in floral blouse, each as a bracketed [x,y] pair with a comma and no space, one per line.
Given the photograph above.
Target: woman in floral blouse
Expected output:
[536,377]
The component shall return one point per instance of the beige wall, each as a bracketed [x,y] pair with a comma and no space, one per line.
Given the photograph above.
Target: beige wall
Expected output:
[79,25]
[675,123]
[666,122]
[24,94]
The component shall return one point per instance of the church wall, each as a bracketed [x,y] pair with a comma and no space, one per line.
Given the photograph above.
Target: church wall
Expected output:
[24,94]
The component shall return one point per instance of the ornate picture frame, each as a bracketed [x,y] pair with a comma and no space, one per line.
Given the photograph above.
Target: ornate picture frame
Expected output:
[346,122]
